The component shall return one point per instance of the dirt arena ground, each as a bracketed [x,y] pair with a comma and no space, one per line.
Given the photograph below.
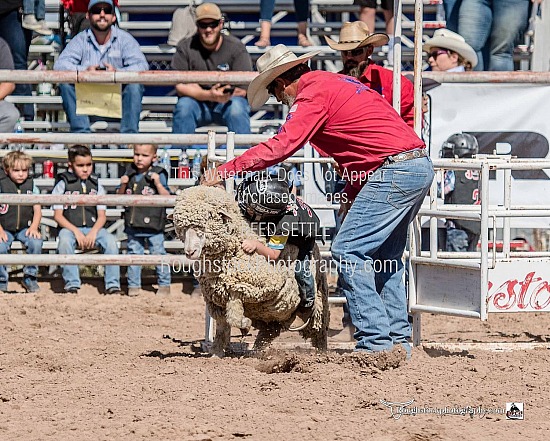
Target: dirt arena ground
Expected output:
[94,367]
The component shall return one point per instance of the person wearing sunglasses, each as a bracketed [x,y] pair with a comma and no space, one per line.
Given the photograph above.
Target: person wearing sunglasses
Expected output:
[211,50]
[103,47]
[388,174]
[448,52]
[356,44]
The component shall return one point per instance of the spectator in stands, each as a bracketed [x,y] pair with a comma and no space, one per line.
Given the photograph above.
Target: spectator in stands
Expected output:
[34,13]
[301,9]
[103,47]
[367,14]
[449,52]
[19,41]
[491,28]
[21,222]
[77,12]
[8,112]
[388,170]
[82,226]
[210,50]
[145,224]
[356,45]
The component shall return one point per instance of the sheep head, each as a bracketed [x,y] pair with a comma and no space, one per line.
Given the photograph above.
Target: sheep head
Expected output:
[208,221]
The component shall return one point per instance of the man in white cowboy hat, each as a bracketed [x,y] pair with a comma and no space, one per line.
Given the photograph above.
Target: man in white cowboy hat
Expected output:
[387,170]
[356,44]
[449,52]
[210,50]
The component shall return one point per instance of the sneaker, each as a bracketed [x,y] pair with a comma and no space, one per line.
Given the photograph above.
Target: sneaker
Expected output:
[114,291]
[73,290]
[133,292]
[163,291]
[4,287]
[30,284]
[43,29]
[29,22]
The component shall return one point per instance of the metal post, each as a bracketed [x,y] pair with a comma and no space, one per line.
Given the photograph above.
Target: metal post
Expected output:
[418,17]
[397,14]
[507,203]
[484,267]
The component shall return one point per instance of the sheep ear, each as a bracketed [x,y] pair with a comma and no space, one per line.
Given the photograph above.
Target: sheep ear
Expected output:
[226,217]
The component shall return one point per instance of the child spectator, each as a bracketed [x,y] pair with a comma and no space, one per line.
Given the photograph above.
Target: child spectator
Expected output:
[19,222]
[82,226]
[145,224]
[283,218]
[34,13]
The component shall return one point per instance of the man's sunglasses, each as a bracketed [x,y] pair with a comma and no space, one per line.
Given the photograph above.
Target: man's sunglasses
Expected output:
[354,52]
[208,24]
[96,10]
[436,53]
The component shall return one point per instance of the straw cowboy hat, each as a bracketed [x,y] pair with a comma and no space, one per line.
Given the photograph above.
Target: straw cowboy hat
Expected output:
[270,65]
[450,40]
[354,35]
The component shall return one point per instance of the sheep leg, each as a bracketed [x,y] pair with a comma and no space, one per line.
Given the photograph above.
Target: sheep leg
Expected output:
[235,315]
[221,338]
[267,333]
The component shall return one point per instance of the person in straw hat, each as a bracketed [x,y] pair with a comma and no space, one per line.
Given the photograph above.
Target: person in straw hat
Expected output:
[448,51]
[356,44]
[343,118]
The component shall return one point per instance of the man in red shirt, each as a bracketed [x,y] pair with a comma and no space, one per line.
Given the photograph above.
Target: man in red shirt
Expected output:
[387,171]
[356,45]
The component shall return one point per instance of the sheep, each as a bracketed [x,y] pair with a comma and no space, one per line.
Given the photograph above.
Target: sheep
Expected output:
[239,289]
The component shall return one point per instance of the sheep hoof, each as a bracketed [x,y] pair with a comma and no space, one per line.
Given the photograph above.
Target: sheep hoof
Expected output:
[246,323]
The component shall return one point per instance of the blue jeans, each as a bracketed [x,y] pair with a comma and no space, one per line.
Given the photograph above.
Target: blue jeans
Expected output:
[190,114]
[491,28]
[36,7]
[301,8]
[461,240]
[104,240]
[136,245]
[451,14]
[33,246]
[18,40]
[369,249]
[131,108]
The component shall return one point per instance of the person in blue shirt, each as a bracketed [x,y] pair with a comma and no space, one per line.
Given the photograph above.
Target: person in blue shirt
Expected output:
[103,47]
[145,224]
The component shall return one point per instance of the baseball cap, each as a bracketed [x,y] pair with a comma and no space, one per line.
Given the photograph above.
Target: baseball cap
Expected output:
[208,10]
[95,2]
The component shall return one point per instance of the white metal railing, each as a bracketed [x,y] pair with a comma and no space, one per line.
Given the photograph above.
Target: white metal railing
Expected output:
[432,273]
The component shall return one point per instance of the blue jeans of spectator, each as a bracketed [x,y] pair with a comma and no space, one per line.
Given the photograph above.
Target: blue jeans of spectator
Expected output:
[36,7]
[369,250]
[301,8]
[33,246]
[104,240]
[491,27]
[461,240]
[136,245]
[19,41]
[131,109]
[451,8]
[190,114]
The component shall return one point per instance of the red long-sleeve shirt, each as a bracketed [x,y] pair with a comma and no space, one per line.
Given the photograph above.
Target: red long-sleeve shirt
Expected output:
[381,80]
[341,118]
[78,5]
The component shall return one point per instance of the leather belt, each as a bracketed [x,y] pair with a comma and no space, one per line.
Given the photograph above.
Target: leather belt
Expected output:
[405,156]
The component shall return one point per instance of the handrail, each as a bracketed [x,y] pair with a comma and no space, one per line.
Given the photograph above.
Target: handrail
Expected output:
[238,78]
